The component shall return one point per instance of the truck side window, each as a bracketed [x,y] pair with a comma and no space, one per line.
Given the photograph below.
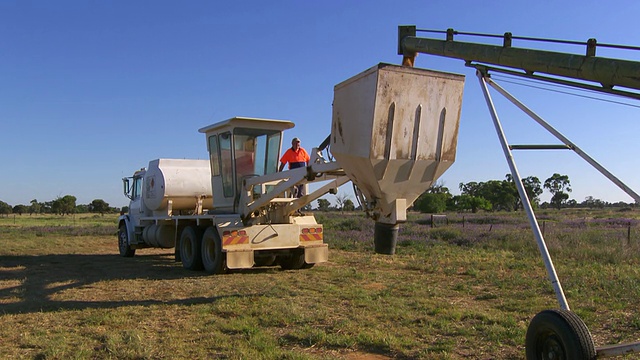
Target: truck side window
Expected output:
[214,155]
[273,150]
[226,165]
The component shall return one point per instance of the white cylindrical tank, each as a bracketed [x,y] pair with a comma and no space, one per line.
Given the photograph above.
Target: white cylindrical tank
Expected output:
[182,181]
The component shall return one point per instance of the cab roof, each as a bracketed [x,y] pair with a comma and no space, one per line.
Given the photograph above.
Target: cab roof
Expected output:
[247,122]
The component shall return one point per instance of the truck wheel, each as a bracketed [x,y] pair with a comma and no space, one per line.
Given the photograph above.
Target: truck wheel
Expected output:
[213,259]
[123,242]
[560,335]
[294,261]
[190,248]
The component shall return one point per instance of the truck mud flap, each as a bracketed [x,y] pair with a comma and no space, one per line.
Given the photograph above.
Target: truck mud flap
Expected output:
[316,254]
[240,259]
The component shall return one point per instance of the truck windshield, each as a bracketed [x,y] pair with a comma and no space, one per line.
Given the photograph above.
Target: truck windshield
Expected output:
[256,151]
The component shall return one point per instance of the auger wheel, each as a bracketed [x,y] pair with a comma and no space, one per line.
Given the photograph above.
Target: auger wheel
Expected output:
[559,335]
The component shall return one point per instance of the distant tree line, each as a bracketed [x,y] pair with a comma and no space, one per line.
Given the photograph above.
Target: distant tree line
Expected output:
[64,205]
[343,203]
[492,195]
[502,195]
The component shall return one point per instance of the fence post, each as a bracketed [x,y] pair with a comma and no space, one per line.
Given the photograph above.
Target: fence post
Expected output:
[432,224]
[629,234]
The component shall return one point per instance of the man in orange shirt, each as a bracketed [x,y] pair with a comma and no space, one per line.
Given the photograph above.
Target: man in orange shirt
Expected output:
[297,157]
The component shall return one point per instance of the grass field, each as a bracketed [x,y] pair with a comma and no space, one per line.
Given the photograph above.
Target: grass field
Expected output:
[466,290]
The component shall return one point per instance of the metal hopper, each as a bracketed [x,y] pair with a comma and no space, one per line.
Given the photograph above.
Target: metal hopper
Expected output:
[394,132]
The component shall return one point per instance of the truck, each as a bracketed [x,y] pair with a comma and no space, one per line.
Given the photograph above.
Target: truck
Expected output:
[393,133]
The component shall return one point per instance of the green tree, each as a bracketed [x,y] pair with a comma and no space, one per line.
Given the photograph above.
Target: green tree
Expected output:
[533,188]
[323,204]
[64,205]
[500,194]
[20,209]
[467,202]
[559,186]
[340,201]
[592,202]
[438,188]
[348,205]
[99,206]
[470,188]
[35,207]
[431,203]
[5,209]
[434,200]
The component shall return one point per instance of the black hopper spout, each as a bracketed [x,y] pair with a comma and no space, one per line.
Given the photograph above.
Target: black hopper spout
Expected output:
[385,238]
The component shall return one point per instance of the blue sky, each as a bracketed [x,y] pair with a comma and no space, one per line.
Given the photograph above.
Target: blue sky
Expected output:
[92,90]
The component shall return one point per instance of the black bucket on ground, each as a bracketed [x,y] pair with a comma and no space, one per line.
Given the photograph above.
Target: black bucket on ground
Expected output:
[385,238]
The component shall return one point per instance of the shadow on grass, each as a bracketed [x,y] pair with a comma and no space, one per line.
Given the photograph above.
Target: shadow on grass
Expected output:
[31,282]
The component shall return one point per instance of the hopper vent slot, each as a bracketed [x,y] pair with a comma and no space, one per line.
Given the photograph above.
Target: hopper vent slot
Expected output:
[443,115]
[389,137]
[416,133]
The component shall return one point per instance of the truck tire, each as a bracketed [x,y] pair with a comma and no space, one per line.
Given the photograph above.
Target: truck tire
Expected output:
[214,260]
[190,248]
[123,242]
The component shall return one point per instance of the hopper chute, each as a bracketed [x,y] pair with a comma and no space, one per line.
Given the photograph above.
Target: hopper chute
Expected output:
[394,132]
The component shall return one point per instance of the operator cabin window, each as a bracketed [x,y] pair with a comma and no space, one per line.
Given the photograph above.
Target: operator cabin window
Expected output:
[226,165]
[245,151]
[256,151]
[272,153]
[214,155]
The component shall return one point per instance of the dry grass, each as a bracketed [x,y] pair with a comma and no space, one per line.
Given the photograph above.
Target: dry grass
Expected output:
[71,296]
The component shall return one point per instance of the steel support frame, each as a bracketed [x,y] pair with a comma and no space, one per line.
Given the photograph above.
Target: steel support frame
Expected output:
[565,140]
[603,351]
[542,246]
